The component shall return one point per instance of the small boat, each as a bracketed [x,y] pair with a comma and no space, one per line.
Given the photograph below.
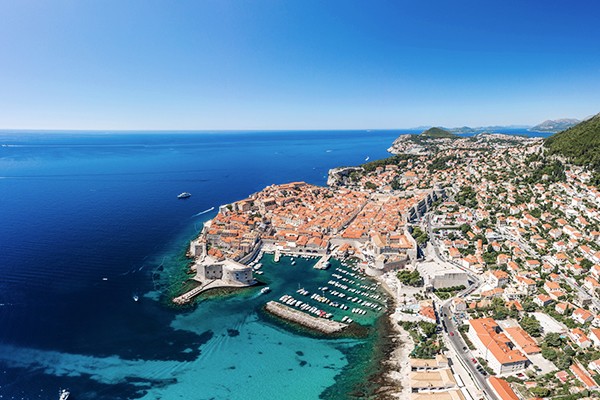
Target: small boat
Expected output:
[135,297]
[265,290]
[184,195]
[63,394]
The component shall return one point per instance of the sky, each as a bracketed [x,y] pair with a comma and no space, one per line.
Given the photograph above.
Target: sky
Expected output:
[277,65]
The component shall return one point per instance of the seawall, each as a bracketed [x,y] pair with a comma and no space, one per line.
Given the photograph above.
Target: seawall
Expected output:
[304,319]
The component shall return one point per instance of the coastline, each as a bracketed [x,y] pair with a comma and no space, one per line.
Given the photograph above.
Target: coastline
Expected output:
[399,373]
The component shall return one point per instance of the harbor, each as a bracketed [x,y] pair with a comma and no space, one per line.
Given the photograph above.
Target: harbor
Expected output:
[341,295]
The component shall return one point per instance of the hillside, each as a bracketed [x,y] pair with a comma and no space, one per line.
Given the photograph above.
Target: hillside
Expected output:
[580,144]
[555,125]
[437,133]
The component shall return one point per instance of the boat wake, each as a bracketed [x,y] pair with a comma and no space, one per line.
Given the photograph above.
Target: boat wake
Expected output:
[203,212]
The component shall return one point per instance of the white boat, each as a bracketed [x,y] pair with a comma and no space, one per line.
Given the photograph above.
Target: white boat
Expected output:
[135,297]
[184,195]
[63,394]
[265,290]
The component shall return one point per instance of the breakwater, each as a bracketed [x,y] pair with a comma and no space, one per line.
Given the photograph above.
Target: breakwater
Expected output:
[299,317]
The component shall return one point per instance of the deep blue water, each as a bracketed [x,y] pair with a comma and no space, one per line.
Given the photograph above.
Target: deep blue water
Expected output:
[88,219]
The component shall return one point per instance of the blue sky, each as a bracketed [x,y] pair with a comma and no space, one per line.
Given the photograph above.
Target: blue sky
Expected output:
[205,65]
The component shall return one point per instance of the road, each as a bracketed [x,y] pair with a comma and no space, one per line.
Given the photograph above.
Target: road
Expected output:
[458,345]
[456,341]
[581,290]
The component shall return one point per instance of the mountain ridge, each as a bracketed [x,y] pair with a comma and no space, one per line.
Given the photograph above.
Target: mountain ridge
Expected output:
[555,125]
[579,144]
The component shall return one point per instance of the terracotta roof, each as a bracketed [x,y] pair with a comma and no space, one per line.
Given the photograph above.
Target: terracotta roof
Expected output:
[502,388]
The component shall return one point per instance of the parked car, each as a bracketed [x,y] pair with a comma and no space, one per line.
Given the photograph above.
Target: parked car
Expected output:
[451,333]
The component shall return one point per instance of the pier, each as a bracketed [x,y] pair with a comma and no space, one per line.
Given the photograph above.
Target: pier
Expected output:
[322,263]
[189,296]
[277,255]
[304,319]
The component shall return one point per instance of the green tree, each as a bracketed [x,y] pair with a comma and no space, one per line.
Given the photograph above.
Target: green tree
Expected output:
[549,354]
[553,339]
[529,306]
[531,326]
[540,391]
[429,328]
[497,302]
[564,361]
[464,228]
[410,278]
[500,313]
[513,313]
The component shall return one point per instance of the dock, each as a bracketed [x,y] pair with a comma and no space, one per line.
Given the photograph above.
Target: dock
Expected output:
[304,319]
[213,284]
[322,263]
[277,255]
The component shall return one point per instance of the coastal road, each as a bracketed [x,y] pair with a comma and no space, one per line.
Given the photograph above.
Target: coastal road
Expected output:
[459,346]
[456,341]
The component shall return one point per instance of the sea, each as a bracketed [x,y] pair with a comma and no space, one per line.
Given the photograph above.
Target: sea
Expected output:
[91,219]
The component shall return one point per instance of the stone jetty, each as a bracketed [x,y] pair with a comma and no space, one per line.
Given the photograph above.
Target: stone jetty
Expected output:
[323,263]
[304,319]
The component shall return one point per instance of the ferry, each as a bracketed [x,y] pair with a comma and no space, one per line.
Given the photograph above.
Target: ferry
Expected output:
[265,290]
[63,394]
[184,195]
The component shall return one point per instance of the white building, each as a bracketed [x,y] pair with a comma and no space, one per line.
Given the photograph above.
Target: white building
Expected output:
[495,347]
[442,275]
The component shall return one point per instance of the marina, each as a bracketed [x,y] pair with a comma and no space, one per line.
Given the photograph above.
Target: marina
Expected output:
[344,294]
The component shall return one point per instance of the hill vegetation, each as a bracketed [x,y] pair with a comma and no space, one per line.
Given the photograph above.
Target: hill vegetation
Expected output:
[579,144]
[437,133]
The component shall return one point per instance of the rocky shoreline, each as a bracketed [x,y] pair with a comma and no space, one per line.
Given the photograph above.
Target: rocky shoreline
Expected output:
[394,376]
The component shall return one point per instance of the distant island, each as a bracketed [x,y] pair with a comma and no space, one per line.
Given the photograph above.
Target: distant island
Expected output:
[555,125]
[438,133]
[478,129]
